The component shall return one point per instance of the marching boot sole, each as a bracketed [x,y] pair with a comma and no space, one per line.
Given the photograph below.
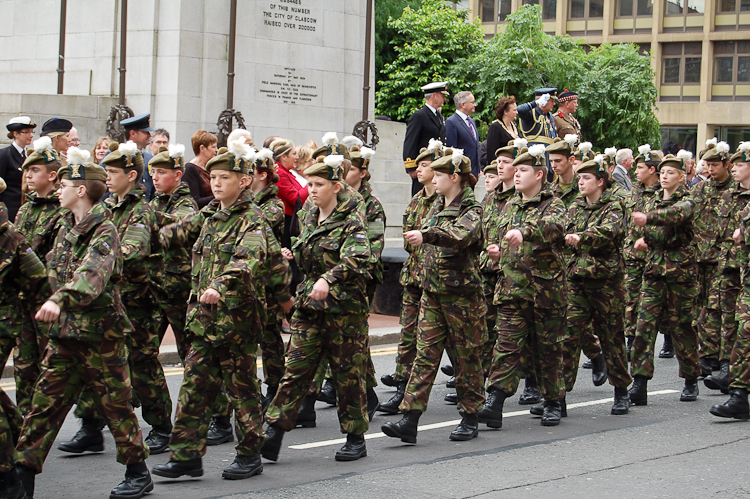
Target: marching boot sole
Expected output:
[305,424]
[350,457]
[94,448]
[409,439]
[721,414]
[529,401]
[638,401]
[242,476]
[166,474]
[713,384]
[146,490]
[554,422]
[463,438]
[219,441]
[491,423]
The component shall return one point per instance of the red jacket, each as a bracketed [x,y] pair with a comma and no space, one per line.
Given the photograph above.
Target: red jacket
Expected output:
[289,189]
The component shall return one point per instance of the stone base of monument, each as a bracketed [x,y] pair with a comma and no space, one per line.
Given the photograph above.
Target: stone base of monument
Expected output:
[387,299]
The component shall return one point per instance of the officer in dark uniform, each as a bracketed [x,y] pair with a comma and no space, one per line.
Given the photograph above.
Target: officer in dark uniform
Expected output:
[538,122]
[21,131]
[425,124]
[138,129]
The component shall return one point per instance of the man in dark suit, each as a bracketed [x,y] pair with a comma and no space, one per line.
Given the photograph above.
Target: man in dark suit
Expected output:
[21,131]
[461,131]
[425,124]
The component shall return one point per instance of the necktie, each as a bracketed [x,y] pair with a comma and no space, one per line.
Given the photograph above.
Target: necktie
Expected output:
[471,127]
[23,154]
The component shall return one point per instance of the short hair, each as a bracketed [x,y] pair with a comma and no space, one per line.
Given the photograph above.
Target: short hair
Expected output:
[622,155]
[269,140]
[73,129]
[239,133]
[95,189]
[159,131]
[53,166]
[502,105]
[461,97]
[202,138]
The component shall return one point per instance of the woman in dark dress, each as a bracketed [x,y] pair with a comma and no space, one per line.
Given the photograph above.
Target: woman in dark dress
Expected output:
[196,177]
[503,129]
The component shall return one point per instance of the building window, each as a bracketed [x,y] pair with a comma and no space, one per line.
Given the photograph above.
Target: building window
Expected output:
[549,8]
[732,62]
[732,6]
[634,8]
[681,63]
[487,11]
[685,137]
[733,135]
[582,9]
[684,7]
[504,10]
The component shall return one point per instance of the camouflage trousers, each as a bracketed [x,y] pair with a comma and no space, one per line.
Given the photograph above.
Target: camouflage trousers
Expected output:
[315,336]
[150,390]
[27,358]
[521,326]
[666,306]
[708,304]
[324,372]
[207,368]
[633,281]
[452,323]
[596,304]
[730,290]
[739,367]
[67,367]
[174,311]
[10,417]
[407,344]
[272,347]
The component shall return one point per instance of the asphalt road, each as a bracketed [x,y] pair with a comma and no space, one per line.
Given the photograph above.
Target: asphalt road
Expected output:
[666,449]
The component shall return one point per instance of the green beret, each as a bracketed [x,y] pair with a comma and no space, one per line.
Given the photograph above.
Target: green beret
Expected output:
[533,156]
[565,147]
[674,162]
[123,156]
[743,153]
[361,157]
[719,152]
[327,167]
[238,158]
[41,154]
[513,149]
[432,152]
[584,152]
[596,165]
[454,161]
[491,168]
[264,160]
[646,154]
[169,158]
[86,171]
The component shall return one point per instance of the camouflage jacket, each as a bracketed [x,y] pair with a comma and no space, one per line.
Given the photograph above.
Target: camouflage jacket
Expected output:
[743,252]
[669,234]
[569,195]
[228,256]
[419,206]
[637,200]
[170,208]
[492,206]
[618,191]
[535,270]
[85,268]
[600,225]
[452,236]
[33,219]
[277,272]
[142,253]
[273,208]
[375,215]
[21,271]
[705,196]
[337,250]
[731,206]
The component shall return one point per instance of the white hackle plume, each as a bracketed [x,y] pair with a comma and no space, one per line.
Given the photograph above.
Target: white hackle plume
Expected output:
[722,147]
[350,140]
[684,155]
[743,147]
[176,150]
[264,154]
[334,160]
[42,144]
[434,145]
[238,148]
[520,143]
[644,149]
[585,146]
[571,139]
[537,150]
[330,139]
[250,155]
[611,152]
[367,153]
[598,158]
[77,156]
[128,149]
[711,142]
[458,156]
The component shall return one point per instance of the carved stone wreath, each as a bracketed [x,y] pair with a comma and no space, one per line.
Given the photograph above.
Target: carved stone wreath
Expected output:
[360,131]
[225,124]
[118,113]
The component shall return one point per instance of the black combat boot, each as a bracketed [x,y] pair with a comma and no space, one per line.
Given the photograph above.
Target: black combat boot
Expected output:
[451,383]
[327,392]
[467,429]
[88,439]
[389,380]
[451,398]
[552,413]
[353,449]
[538,410]
[272,444]
[306,417]
[176,469]
[667,350]
[448,370]
[11,486]
[268,398]
[372,402]
[638,390]
[220,431]
[588,364]
[690,391]
[27,476]
[158,438]
[243,467]
[622,402]
[599,370]
[391,406]
[136,484]
[721,380]
[492,412]
[406,429]
[736,407]
[531,394]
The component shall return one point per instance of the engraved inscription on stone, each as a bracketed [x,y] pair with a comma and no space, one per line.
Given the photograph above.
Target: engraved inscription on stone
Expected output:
[288,85]
[289,14]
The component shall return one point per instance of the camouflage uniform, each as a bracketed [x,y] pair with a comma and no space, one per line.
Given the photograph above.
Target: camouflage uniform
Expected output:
[87,343]
[170,208]
[739,368]
[20,271]
[706,196]
[228,255]
[452,305]
[532,305]
[32,221]
[595,290]
[668,290]
[337,250]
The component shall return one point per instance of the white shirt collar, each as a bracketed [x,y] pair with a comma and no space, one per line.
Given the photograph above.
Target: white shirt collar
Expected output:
[434,111]
[462,115]
[20,149]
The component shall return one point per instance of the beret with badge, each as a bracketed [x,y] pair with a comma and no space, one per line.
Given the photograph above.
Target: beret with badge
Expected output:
[598,165]
[565,146]
[41,154]
[237,157]
[123,156]
[432,152]
[513,149]
[533,156]
[743,153]
[169,158]
[454,161]
[583,153]
[327,167]
[716,153]
[80,168]
[331,147]
[646,155]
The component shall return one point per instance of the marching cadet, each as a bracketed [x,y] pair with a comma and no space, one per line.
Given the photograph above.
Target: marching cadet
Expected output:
[647,174]
[172,202]
[739,372]
[561,157]
[410,278]
[596,297]
[225,313]
[531,297]
[668,288]
[451,316]
[706,196]
[87,345]
[582,154]
[730,207]
[20,271]
[330,316]
[40,210]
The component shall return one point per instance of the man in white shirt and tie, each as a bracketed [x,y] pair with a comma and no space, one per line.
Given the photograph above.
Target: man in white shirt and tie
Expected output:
[21,131]
[461,131]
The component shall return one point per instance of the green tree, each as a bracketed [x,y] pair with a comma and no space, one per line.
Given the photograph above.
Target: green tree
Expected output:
[427,41]
[385,11]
